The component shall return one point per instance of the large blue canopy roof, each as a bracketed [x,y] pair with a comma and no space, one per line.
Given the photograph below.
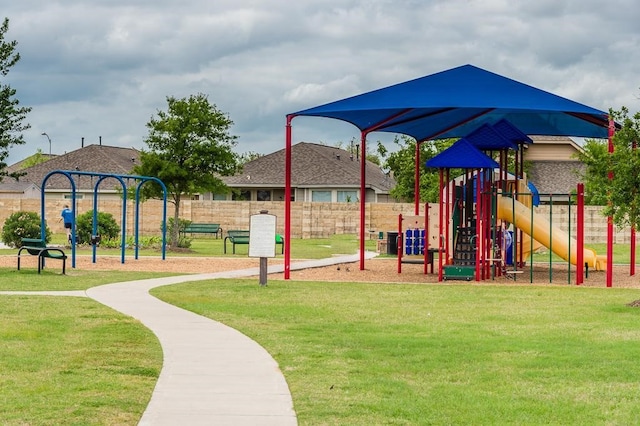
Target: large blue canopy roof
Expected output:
[454,102]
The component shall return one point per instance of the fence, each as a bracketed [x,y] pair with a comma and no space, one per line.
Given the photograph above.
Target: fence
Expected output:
[308,219]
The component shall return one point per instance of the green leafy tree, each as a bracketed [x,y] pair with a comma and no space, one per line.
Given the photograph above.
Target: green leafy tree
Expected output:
[189,148]
[595,157]
[12,114]
[35,159]
[23,225]
[108,228]
[622,191]
[402,164]
[248,156]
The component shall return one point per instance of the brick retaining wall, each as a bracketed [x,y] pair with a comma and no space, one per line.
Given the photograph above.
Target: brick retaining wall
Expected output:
[308,220]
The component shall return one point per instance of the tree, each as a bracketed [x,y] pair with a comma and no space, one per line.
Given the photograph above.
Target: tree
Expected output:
[35,159]
[189,148]
[402,164]
[248,156]
[595,157]
[622,191]
[11,114]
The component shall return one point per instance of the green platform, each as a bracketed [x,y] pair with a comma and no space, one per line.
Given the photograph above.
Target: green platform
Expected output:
[458,272]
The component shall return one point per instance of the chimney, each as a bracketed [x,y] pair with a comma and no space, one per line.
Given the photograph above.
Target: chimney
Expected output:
[100,140]
[82,143]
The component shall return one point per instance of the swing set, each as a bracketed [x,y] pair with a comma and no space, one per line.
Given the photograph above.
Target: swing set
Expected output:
[95,238]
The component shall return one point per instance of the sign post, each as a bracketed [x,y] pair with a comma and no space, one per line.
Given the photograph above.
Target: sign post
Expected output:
[262,241]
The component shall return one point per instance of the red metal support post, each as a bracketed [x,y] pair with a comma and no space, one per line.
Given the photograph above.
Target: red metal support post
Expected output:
[399,244]
[416,184]
[440,226]
[610,218]
[632,264]
[287,199]
[580,236]
[363,194]
[478,221]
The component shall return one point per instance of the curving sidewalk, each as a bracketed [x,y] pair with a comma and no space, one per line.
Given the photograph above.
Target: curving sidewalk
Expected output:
[211,373]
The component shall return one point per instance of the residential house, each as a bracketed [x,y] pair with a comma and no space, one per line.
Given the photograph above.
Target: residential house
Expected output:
[318,173]
[92,158]
[555,168]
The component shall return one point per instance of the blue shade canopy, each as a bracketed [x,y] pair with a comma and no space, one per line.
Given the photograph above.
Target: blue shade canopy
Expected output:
[462,155]
[452,103]
[511,132]
[487,138]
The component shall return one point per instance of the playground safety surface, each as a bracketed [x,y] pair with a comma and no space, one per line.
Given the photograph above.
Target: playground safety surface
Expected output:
[376,270]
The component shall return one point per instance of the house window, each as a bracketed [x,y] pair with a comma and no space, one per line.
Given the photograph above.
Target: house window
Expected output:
[242,196]
[219,197]
[321,196]
[78,196]
[347,196]
[263,195]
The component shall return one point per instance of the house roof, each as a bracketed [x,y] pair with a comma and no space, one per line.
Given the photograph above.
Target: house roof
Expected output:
[92,158]
[312,165]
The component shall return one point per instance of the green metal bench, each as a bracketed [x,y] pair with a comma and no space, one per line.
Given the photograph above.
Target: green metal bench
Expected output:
[237,236]
[38,247]
[203,228]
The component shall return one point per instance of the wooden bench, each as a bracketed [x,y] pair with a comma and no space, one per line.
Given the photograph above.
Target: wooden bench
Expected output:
[38,247]
[202,228]
[237,236]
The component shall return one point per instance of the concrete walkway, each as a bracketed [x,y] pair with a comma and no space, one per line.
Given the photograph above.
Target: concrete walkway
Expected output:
[211,373]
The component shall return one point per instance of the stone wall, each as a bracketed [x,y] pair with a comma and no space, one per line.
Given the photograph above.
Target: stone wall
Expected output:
[308,220]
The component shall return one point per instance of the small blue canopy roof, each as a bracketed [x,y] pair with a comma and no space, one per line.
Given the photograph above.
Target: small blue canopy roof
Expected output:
[487,138]
[452,103]
[463,155]
[511,132]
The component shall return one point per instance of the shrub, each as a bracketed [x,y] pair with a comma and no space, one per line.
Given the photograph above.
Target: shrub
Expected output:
[108,228]
[22,225]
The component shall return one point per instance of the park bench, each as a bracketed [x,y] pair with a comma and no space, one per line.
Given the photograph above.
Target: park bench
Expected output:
[236,236]
[202,228]
[38,247]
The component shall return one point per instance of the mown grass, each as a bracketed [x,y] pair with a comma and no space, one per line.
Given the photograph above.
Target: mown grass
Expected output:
[421,354]
[67,360]
[621,253]
[28,279]
[316,248]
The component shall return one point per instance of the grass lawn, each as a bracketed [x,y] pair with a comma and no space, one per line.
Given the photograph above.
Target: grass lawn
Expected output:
[316,248]
[28,279]
[439,354]
[67,360]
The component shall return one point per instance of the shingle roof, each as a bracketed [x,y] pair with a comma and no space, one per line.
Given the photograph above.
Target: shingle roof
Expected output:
[556,177]
[92,158]
[312,165]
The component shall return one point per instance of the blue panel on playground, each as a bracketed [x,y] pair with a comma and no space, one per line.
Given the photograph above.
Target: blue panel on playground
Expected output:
[511,132]
[462,154]
[488,138]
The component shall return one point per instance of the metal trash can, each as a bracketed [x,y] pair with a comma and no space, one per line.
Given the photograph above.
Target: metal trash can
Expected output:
[392,243]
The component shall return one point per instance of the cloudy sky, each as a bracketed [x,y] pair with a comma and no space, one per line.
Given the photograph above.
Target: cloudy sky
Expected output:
[104,67]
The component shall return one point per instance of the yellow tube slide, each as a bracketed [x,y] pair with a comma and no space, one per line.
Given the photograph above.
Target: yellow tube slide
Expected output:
[540,230]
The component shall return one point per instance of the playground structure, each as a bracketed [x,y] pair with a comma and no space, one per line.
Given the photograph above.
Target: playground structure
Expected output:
[487,223]
[95,238]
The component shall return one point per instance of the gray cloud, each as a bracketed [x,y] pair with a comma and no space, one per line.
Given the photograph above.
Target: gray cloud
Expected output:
[103,68]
